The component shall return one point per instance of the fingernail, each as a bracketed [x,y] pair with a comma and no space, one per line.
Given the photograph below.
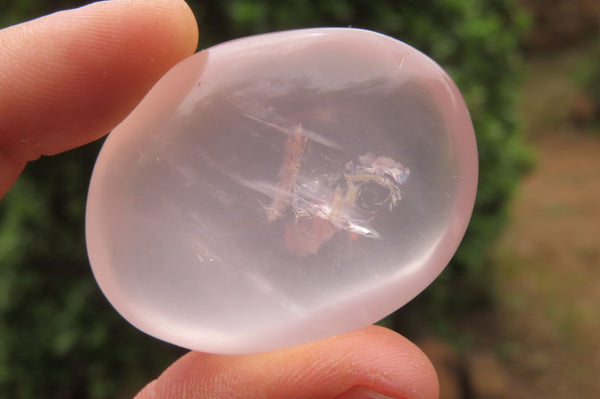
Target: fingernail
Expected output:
[362,393]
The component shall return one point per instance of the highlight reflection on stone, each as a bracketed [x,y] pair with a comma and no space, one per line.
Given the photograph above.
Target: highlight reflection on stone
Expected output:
[282,188]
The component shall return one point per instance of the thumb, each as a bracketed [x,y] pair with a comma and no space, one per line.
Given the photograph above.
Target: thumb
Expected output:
[370,363]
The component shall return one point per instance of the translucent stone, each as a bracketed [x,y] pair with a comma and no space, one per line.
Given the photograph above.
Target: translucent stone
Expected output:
[282,188]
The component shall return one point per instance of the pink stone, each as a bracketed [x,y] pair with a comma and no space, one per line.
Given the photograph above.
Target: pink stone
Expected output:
[282,188]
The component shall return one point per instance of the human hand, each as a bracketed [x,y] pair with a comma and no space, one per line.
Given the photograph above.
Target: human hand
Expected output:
[67,79]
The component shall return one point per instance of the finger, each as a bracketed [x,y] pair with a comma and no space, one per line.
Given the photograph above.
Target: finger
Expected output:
[68,78]
[374,361]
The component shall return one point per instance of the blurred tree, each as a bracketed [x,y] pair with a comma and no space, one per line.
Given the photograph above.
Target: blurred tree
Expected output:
[585,109]
[561,24]
[60,339]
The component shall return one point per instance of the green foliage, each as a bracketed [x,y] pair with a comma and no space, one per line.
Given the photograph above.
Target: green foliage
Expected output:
[589,82]
[60,339]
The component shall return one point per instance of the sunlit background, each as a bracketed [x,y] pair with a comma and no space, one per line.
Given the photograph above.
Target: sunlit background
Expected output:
[515,315]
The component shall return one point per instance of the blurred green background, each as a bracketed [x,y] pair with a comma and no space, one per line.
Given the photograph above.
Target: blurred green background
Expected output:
[529,72]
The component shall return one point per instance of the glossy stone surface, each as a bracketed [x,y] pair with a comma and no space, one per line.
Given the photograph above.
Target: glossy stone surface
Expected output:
[282,188]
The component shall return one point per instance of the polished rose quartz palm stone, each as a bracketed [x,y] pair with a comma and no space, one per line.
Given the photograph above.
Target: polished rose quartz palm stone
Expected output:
[282,188]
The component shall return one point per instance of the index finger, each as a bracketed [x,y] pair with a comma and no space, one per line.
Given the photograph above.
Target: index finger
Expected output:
[68,78]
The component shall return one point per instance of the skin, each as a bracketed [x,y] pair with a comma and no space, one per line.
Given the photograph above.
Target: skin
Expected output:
[67,79]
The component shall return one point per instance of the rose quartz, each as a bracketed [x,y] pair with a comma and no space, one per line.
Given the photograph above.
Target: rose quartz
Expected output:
[282,188]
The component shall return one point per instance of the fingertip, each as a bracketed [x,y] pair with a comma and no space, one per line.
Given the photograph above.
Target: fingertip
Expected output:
[373,361]
[70,77]
[170,22]
[398,368]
